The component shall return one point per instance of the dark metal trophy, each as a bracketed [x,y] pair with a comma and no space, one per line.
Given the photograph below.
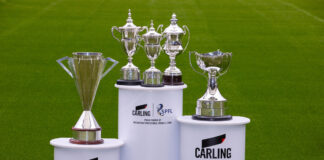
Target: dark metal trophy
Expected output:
[87,69]
[173,35]
[212,105]
[130,74]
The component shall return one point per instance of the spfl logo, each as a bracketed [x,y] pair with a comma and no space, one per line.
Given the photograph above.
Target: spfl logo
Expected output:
[206,152]
[140,111]
[162,111]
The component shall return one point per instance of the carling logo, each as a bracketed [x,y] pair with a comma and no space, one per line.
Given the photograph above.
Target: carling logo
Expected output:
[140,110]
[213,141]
[209,149]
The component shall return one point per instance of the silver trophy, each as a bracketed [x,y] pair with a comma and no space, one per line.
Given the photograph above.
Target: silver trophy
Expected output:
[173,35]
[212,105]
[130,74]
[87,69]
[152,76]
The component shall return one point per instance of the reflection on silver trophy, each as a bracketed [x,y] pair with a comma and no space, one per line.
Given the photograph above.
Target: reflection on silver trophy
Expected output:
[212,105]
[152,76]
[130,74]
[87,69]
[173,35]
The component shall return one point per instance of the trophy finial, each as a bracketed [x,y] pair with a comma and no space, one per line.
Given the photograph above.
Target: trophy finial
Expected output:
[174,18]
[129,19]
[152,26]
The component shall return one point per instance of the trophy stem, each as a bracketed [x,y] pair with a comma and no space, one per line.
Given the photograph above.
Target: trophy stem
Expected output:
[130,59]
[212,83]
[152,64]
[172,61]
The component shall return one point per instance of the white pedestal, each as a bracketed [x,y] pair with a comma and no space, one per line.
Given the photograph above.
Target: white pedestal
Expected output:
[147,122]
[212,139]
[64,150]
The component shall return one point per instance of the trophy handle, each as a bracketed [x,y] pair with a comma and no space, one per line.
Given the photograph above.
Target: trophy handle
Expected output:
[112,32]
[160,27]
[190,53]
[143,28]
[139,38]
[185,32]
[59,61]
[111,67]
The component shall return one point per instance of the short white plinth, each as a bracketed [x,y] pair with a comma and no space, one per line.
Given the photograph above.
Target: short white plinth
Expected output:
[212,139]
[64,150]
[147,121]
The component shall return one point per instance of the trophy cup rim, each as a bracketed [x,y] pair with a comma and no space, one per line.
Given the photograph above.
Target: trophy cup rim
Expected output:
[212,54]
[87,53]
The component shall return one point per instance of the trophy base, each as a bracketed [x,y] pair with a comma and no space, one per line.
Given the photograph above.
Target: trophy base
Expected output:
[86,136]
[172,80]
[152,85]
[210,118]
[75,141]
[129,82]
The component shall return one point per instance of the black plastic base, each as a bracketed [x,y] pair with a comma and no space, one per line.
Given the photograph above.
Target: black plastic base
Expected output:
[152,85]
[129,83]
[209,118]
[172,80]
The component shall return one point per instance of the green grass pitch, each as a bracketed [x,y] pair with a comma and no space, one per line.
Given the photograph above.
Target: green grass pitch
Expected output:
[276,77]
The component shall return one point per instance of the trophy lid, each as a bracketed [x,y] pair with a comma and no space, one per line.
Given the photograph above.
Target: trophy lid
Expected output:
[129,22]
[151,32]
[173,28]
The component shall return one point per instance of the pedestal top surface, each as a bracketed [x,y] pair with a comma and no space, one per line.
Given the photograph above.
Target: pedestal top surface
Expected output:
[65,143]
[139,87]
[236,120]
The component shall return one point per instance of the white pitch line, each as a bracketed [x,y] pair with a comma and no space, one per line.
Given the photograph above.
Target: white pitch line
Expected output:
[301,10]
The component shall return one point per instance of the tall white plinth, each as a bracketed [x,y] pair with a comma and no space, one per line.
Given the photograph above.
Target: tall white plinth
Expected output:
[212,139]
[147,122]
[64,150]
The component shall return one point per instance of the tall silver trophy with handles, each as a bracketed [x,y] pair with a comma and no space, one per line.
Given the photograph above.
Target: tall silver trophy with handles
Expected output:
[212,105]
[173,35]
[152,77]
[87,69]
[130,74]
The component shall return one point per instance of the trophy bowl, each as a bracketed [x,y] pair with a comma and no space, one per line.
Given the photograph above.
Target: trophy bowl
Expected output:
[152,51]
[214,61]
[212,105]
[129,46]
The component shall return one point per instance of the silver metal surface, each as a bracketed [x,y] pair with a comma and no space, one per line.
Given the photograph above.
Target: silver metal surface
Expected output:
[212,103]
[152,47]
[152,76]
[87,69]
[152,36]
[173,35]
[129,41]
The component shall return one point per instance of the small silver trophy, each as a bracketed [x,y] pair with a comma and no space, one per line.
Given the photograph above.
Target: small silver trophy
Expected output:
[152,76]
[130,74]
[173,47]
[87,69]
[212,105]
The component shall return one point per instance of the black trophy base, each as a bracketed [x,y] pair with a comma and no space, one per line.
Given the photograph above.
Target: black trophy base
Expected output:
[172,80]
[210,118]
[129,82]
[152,85]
